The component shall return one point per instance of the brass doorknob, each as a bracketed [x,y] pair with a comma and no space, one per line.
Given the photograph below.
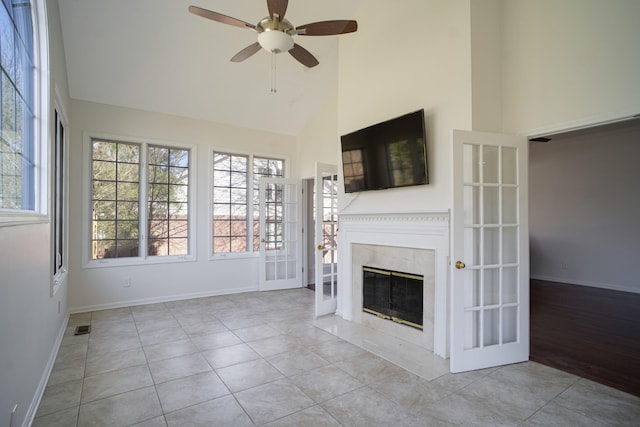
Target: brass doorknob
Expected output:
[321,247]
[261,240]
[460,265]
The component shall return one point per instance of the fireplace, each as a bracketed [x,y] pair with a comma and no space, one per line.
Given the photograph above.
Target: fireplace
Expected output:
[413,242]
[393,295]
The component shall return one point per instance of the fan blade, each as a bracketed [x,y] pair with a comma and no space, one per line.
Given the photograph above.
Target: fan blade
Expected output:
[303,56]
[278,7]
[246,52]
[215,16]
[327,28]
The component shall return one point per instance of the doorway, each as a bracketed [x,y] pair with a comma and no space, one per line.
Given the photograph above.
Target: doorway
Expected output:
[584,233]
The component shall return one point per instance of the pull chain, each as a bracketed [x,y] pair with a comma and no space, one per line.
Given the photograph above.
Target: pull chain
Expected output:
[273,72]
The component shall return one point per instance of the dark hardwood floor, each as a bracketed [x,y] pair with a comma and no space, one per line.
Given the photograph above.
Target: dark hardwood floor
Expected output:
[590,332]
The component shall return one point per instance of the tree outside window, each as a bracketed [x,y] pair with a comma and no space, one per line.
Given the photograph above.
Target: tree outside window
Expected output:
[116,200]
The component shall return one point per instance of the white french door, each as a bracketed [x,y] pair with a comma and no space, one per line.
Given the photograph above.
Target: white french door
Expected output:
[326,237]
[490,251]
[280,234]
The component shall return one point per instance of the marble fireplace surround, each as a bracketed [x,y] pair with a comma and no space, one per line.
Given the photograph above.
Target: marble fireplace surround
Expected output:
[413,243]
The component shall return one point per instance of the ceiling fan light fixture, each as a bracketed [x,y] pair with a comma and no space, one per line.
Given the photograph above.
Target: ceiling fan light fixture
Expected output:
[275,41]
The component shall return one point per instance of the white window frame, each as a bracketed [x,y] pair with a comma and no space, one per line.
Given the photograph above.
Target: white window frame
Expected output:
[60,119]
[250,211]
[143,258]
[13,217]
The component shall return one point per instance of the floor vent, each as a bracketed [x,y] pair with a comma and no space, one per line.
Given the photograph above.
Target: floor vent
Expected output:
[83,329]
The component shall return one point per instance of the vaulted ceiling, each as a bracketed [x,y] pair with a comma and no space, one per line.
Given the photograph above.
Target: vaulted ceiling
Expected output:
[154,55]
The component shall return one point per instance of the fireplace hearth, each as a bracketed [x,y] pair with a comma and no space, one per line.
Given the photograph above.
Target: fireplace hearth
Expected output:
[393,295]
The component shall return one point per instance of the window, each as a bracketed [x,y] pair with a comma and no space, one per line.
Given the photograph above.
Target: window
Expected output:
[262,167]
[122,175]
[168,201]
[58,220]
[18,152]
[236,221]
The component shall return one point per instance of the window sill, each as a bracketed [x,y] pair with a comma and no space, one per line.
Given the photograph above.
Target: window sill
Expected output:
[12,218]
[234,256]
[125,262]
[57,282]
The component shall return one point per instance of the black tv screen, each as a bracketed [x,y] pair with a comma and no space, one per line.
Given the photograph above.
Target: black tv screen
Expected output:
[386,155]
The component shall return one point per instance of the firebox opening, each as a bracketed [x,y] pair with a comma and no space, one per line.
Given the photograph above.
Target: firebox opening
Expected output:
[393,295]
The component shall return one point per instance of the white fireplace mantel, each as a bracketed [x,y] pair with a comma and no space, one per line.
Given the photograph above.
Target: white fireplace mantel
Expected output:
[424,230]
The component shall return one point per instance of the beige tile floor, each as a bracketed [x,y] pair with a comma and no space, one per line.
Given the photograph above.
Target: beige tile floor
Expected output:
[262,359]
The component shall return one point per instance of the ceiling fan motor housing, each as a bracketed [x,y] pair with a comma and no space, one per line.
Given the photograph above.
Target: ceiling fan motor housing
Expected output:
[274,35]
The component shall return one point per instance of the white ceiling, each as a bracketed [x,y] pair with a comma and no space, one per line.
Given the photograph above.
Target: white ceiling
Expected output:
[154,55]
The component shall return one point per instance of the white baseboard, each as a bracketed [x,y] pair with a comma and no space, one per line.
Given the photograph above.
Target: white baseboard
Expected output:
[156,300]
[37,397]
[589,284]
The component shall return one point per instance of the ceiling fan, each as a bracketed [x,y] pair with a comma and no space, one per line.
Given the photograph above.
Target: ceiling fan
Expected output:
[275,33]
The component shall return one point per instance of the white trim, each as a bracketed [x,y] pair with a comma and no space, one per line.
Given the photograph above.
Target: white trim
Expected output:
[42,385]
[606,286]
[581,124]
[42,107]
[144,258]
[12,218]
[155,300]
[41,97]
[422,230]
[58,279]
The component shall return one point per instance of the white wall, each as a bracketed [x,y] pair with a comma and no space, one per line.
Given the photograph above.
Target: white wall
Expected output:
[31,320]
[568,62]
[486,66]
[93,288]
[584,207]
[319,141]
[404,58]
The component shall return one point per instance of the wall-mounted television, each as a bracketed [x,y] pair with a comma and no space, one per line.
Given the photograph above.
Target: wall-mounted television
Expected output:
[386,155]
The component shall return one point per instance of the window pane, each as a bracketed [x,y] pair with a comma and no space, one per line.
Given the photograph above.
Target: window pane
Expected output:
[7,43]
[103,210]
[128,153]
[104,229]
[115,199]
[178,246]
[179,229]
[268,168]
[103,249]
[128,191]
[128,172]
[104,171]
[168,203]
[127,229]
[17,138]
[104,190]
[127,248]
[229,203]
[178,193]
[128,210]
[179,175]
[158,246]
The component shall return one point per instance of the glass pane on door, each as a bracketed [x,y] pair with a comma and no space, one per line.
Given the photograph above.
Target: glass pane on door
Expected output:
[329,236]
[491,226]
[280,233]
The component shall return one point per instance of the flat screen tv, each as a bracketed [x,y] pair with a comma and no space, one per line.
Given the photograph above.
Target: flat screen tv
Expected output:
[386,155]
